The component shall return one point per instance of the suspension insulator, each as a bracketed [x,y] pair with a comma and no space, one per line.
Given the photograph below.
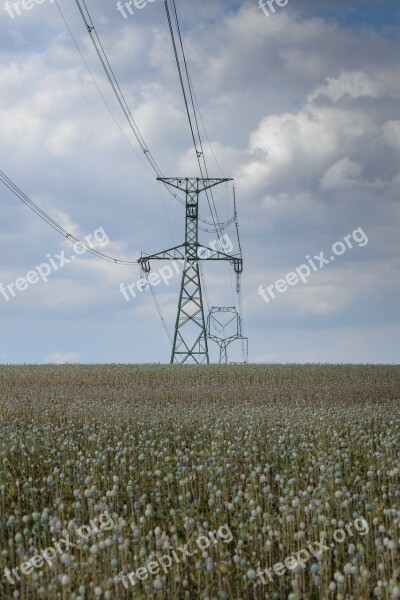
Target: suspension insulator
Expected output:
[145,265]
[237,283]
[238,265]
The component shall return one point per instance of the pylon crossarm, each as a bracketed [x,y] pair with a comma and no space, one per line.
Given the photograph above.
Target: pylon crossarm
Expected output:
[176,253]
[191,184]
[212,184]
[204,253]
[180,253]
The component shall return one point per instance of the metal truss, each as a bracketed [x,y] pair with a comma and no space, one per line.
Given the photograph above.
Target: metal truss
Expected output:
[214,324]
[190,344]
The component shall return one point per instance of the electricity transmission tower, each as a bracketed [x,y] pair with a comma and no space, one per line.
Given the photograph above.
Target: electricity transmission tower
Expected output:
[190,338]
[215,324]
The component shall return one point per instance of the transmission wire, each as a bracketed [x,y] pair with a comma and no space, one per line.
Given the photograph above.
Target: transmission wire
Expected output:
[101,53]
[191,91]
[198,154]
[160,312]
[56,226]
[98,88]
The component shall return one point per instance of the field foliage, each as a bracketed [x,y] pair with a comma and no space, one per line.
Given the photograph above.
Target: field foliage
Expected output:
[281,454]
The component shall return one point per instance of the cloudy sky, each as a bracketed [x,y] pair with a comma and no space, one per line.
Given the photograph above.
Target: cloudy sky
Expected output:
[302,109]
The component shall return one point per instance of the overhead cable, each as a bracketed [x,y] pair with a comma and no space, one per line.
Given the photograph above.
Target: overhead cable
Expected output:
[56,226]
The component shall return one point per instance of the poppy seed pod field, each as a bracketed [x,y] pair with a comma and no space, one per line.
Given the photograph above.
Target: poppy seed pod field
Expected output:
[278,482]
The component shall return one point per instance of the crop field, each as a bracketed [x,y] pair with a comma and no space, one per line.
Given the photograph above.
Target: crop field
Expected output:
[240,482]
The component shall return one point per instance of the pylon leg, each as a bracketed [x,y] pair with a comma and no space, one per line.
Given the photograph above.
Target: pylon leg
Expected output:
[190,340]
[223,354]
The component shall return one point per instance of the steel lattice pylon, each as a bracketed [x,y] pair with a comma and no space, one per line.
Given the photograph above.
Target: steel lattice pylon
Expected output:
[223,340]
[190,337]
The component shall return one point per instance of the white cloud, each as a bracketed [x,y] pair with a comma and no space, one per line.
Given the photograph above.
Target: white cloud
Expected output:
[302,112]
[60,358]
[352,84]
[346,174]
[343,175]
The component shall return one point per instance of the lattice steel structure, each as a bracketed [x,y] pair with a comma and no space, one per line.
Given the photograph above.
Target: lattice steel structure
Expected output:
[190,343]
[214,322]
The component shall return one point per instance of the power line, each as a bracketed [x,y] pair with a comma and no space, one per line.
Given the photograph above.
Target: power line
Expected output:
[156,302]
[205,130]
[56,226]
[238,286]
[198,146]
[194,124]
[114,84]
[126,111]
[98,88]
[101,53]
[69,236]
[203,279]
[191,91]
[197,141]
[236,219]
[88,21]
[166,213]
